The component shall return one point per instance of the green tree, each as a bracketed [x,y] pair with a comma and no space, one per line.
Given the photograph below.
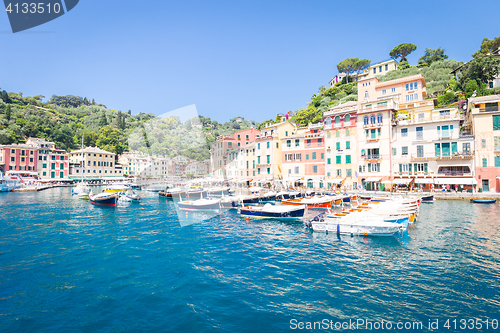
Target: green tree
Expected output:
[470,88]
[5,97]
[360,65]
[431,55]
[482,69]
[402,51]
[118,120]
[103,121]
[5,137]
[8,112]
[488,46]
[347,66]
[109,139]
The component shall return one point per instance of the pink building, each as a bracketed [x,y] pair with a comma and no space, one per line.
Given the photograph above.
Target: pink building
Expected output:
[314,151]
[219,154]
[404,90]
[18,158]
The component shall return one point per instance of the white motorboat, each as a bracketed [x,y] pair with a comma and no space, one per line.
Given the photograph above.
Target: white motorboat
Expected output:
[200,205]
[129,195]
[9,183]
[361,224]
[229,202]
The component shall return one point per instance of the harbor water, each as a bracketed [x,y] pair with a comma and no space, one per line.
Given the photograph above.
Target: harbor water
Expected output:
[68,266]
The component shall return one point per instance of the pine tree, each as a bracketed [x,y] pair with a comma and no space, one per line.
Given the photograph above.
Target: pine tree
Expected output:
[85,101]
[103,121]
[8,113]
[129,112]
[118,120]
[93,102]
[123,123]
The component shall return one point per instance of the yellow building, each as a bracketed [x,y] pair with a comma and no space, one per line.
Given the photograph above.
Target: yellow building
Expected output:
[268,150]
[96,163]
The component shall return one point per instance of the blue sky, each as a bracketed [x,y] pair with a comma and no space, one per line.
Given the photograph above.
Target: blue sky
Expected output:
[252,59]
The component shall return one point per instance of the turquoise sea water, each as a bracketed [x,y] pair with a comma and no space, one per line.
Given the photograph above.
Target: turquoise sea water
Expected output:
[68,266]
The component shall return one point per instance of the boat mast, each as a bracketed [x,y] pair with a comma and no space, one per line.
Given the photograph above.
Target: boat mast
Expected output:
[83,158]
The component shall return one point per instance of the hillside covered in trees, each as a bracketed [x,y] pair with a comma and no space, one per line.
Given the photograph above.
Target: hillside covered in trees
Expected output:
[471,77]
[64,119]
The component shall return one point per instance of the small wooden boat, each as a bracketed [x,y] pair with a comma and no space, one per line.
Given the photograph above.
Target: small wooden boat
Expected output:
[270,211]
[84,195]
[217,192]
[427,198]
[200,205]
[229,202]
[250,199]
[314,202]
[266,197]
[173,193]
[105,198]
[196,194]
[483,201]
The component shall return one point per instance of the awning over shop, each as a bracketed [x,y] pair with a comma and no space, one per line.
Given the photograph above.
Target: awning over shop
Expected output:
[373,179]
[424,181]
[114,178]
[55,180]
[335,180]
[402,181]
[84,178]
[372,145]
[455,181]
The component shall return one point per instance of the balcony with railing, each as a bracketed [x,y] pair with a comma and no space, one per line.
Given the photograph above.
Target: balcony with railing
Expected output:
[374,125]
[405,119]
[314,135]
[376,106]
[413,173]
[443,156]
[489,109]
[371,157]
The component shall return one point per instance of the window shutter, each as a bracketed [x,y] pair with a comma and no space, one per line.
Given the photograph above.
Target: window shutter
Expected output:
[369,167]
[378,167]
[409,167]
[425,167]
[401,168]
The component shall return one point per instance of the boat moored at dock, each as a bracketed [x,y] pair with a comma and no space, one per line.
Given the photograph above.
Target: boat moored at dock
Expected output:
[104,198]
[272,211]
